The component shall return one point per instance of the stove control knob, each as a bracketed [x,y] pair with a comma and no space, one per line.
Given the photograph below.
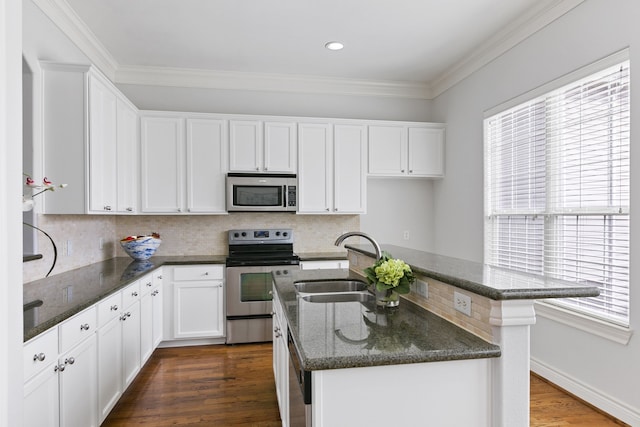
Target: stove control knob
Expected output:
[244,234]
[236,235]
[277,233]
[285,234]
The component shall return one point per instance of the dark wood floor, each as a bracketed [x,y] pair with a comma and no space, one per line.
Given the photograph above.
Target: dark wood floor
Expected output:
[233,386]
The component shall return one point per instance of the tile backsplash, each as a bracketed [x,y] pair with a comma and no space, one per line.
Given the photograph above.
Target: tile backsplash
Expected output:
[181,235]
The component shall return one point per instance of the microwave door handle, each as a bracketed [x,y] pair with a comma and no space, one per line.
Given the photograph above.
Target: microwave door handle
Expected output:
[284,196]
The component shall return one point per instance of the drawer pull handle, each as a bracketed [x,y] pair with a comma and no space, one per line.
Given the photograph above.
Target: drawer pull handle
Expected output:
[59,368]
[84,327]
[39,357]
[70,361]
[114,307]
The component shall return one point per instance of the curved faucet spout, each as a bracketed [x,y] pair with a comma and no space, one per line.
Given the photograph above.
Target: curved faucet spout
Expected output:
[375,244]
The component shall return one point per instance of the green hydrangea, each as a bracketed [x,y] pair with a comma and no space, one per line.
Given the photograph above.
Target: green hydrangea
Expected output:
[390,273]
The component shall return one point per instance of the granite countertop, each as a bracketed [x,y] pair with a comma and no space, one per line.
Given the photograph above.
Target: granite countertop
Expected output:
[354,334]
[491,282]
[51,300]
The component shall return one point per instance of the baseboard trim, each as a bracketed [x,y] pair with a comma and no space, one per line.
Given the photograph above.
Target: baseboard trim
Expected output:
[600,400]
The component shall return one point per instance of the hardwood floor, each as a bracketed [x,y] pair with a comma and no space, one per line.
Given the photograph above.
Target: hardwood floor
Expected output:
[223,385]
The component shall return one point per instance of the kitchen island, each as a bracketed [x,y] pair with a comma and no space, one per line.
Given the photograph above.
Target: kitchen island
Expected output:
[420,364]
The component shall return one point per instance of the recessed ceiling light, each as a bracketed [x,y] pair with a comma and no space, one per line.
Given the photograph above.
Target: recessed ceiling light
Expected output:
[334,45]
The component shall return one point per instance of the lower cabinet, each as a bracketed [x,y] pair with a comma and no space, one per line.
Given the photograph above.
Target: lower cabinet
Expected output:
[151,312]
[197,302]
[79,385]
[281,360]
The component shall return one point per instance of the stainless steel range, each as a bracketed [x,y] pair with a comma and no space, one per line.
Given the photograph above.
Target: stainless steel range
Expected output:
[253,255]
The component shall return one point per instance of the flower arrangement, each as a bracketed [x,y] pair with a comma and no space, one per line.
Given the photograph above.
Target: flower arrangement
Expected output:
[390,277]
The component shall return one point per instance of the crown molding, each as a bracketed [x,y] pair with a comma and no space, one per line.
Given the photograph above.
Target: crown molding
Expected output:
[70,24]
[526,25]
[196,78]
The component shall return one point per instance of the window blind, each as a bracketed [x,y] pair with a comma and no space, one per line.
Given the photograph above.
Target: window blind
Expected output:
[557,189]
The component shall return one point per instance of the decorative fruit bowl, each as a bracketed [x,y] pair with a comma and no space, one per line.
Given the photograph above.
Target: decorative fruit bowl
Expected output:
[141,248]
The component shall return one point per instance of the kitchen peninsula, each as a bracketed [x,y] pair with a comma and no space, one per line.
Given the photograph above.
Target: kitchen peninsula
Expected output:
[413,364]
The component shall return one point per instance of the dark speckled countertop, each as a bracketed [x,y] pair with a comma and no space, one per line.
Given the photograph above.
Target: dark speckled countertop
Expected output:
[491,282]
[51,300]
[354,334]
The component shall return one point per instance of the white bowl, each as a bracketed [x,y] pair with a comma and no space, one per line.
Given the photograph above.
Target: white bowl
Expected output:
[141,248]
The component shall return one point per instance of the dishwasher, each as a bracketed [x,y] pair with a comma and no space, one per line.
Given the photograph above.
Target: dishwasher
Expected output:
[299,389]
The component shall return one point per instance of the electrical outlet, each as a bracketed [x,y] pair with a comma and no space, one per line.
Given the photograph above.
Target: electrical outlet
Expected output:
[69,248]
[101,243]
[462,303]
[405,235]
[422,288]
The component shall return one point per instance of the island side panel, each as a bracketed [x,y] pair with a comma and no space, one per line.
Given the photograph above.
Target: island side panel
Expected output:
[452,393]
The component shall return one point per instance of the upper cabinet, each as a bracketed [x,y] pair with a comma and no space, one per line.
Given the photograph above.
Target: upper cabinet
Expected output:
[90,142]
[332,175]
[262,146]
[413,150]
[183,165]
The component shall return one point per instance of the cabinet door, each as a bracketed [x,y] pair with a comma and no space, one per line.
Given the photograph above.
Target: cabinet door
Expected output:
[245,146]
[162,157]
[102,147]
[110,384]
[158,315]
[198,309]
[41,400]
[79,385]
[131,343]
[387,150]
[146,328]
[315,158]
[280,147]
[350,178]
[206,165]
[127,155]
[426,152]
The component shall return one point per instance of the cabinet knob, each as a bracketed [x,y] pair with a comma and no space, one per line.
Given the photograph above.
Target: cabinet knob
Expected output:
[258,169]
[58,368]
[206,273]
[39,357]
[134,294]
[129,209]
[266,168]
[107,208]
[69,361]
[114,307]
[335,209]
[84,327]
[154,293]
[410,170]
[148,284]
[402,170]
[179,210]
[123,317]
[160,277]
[327,209]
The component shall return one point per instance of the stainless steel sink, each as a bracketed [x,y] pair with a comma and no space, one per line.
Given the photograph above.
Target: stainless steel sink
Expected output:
[340,297]
[330,286]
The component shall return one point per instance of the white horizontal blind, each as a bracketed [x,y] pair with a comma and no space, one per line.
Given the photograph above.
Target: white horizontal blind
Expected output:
[557,189]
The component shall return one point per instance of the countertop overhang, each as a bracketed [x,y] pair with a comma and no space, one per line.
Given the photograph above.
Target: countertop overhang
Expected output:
[492,282]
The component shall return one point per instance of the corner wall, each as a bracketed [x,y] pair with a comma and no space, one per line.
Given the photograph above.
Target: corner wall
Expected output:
[595,369]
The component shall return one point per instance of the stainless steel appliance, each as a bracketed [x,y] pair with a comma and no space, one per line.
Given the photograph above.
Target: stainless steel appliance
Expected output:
[299,389]
[261,192]
[253,255]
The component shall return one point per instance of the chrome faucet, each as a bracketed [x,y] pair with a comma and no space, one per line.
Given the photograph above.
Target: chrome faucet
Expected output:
[375,244]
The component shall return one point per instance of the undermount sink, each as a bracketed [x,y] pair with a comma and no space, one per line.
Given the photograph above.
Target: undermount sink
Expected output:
[340,297]
[330,286]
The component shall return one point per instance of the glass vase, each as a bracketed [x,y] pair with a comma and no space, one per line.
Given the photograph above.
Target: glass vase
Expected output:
[387,298]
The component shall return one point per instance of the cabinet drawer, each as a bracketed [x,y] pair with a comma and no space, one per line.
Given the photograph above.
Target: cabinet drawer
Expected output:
[40,352]
[131,294]
[198,272]
[76,329]
[146,284]
[109,309]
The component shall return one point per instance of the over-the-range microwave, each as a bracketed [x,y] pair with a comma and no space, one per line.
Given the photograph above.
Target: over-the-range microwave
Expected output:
[251,192]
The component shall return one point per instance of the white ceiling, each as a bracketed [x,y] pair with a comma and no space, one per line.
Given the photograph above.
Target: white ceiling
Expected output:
[415,48]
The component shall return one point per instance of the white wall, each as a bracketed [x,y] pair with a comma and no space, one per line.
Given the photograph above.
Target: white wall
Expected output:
[600,371]
[10,214]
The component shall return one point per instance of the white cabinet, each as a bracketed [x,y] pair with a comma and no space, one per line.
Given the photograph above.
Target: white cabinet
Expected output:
[63,386]
[332,177]
[90,142]
[150,314]
[197,302]
[257,146]
[281,360]
[324,264]
[406,150]
[183,172]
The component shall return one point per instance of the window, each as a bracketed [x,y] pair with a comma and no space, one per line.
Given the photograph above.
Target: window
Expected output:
[557,188]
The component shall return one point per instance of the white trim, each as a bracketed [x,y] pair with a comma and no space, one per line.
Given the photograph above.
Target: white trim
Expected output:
[587,70]
[70,24]
[520,29]
[595,397]
[592,325]
[182,77]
